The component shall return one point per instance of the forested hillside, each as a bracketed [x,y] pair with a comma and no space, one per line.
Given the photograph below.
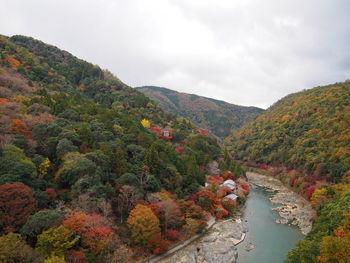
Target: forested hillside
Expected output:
[218,117]
[304,140]
[92,170]
[329,238]
[308,131]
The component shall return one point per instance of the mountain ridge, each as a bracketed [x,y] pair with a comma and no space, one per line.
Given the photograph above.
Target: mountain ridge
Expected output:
[307,130]
[220,118]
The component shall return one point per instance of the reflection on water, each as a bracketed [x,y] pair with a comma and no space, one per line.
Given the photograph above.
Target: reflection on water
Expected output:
[272,241]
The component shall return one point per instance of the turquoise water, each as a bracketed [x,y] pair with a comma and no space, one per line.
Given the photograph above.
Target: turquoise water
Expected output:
[272,241]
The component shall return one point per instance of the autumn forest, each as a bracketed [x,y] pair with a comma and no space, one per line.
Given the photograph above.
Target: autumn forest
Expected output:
[92,170]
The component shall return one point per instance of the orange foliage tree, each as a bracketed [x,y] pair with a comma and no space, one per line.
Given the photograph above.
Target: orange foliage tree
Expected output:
[207,200]
[14,63]
[19,127]
[220,212]
[229,204]
[143,225]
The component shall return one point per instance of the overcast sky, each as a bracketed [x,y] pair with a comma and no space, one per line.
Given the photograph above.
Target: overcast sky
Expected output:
[247,52]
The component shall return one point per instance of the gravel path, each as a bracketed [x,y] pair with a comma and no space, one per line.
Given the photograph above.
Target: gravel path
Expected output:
[217,246]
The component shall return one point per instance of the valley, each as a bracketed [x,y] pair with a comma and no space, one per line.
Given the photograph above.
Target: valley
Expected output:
[258,232]
[93,170]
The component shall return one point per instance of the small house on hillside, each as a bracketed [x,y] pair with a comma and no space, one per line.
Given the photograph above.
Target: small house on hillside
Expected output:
[230,184]
[165,134]
[231,196]
[167,131]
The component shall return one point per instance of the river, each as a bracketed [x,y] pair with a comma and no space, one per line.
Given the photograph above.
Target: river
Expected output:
[272,241]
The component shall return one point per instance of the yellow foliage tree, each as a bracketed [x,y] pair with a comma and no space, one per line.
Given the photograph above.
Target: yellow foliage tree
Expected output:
[118,129]
[20,99]
[335,249]
[55,241]
[143,225]
[146,123]
[55,259]
[13,248]
[44,167]
[318,197]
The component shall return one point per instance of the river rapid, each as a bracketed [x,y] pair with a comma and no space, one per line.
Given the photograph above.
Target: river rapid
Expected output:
[273,219]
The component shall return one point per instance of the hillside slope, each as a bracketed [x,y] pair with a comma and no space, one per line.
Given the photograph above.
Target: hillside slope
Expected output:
[309,131]
[218,117]
[53,103]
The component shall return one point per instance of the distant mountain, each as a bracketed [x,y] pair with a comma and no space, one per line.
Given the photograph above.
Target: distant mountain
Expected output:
[218,117]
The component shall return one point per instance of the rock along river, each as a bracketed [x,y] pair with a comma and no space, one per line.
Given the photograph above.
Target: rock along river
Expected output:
[274,218]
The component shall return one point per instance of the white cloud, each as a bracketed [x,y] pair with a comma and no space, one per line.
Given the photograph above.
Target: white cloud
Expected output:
[247,52]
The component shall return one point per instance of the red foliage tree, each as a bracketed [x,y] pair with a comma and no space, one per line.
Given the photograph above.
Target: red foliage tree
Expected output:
[243,186]
[191,210]
[179,150]
[51,192]
[172,234]
[155,129]
[215,179]
[157,244]
[223,191]
[16,204]
[76,256]
[310,190]
[155,210]
[202,131]
[94,230]
[221,212]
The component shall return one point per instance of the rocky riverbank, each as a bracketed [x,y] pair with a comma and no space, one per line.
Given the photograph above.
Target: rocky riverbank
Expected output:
[217,246]
[293,208]
[219,243]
